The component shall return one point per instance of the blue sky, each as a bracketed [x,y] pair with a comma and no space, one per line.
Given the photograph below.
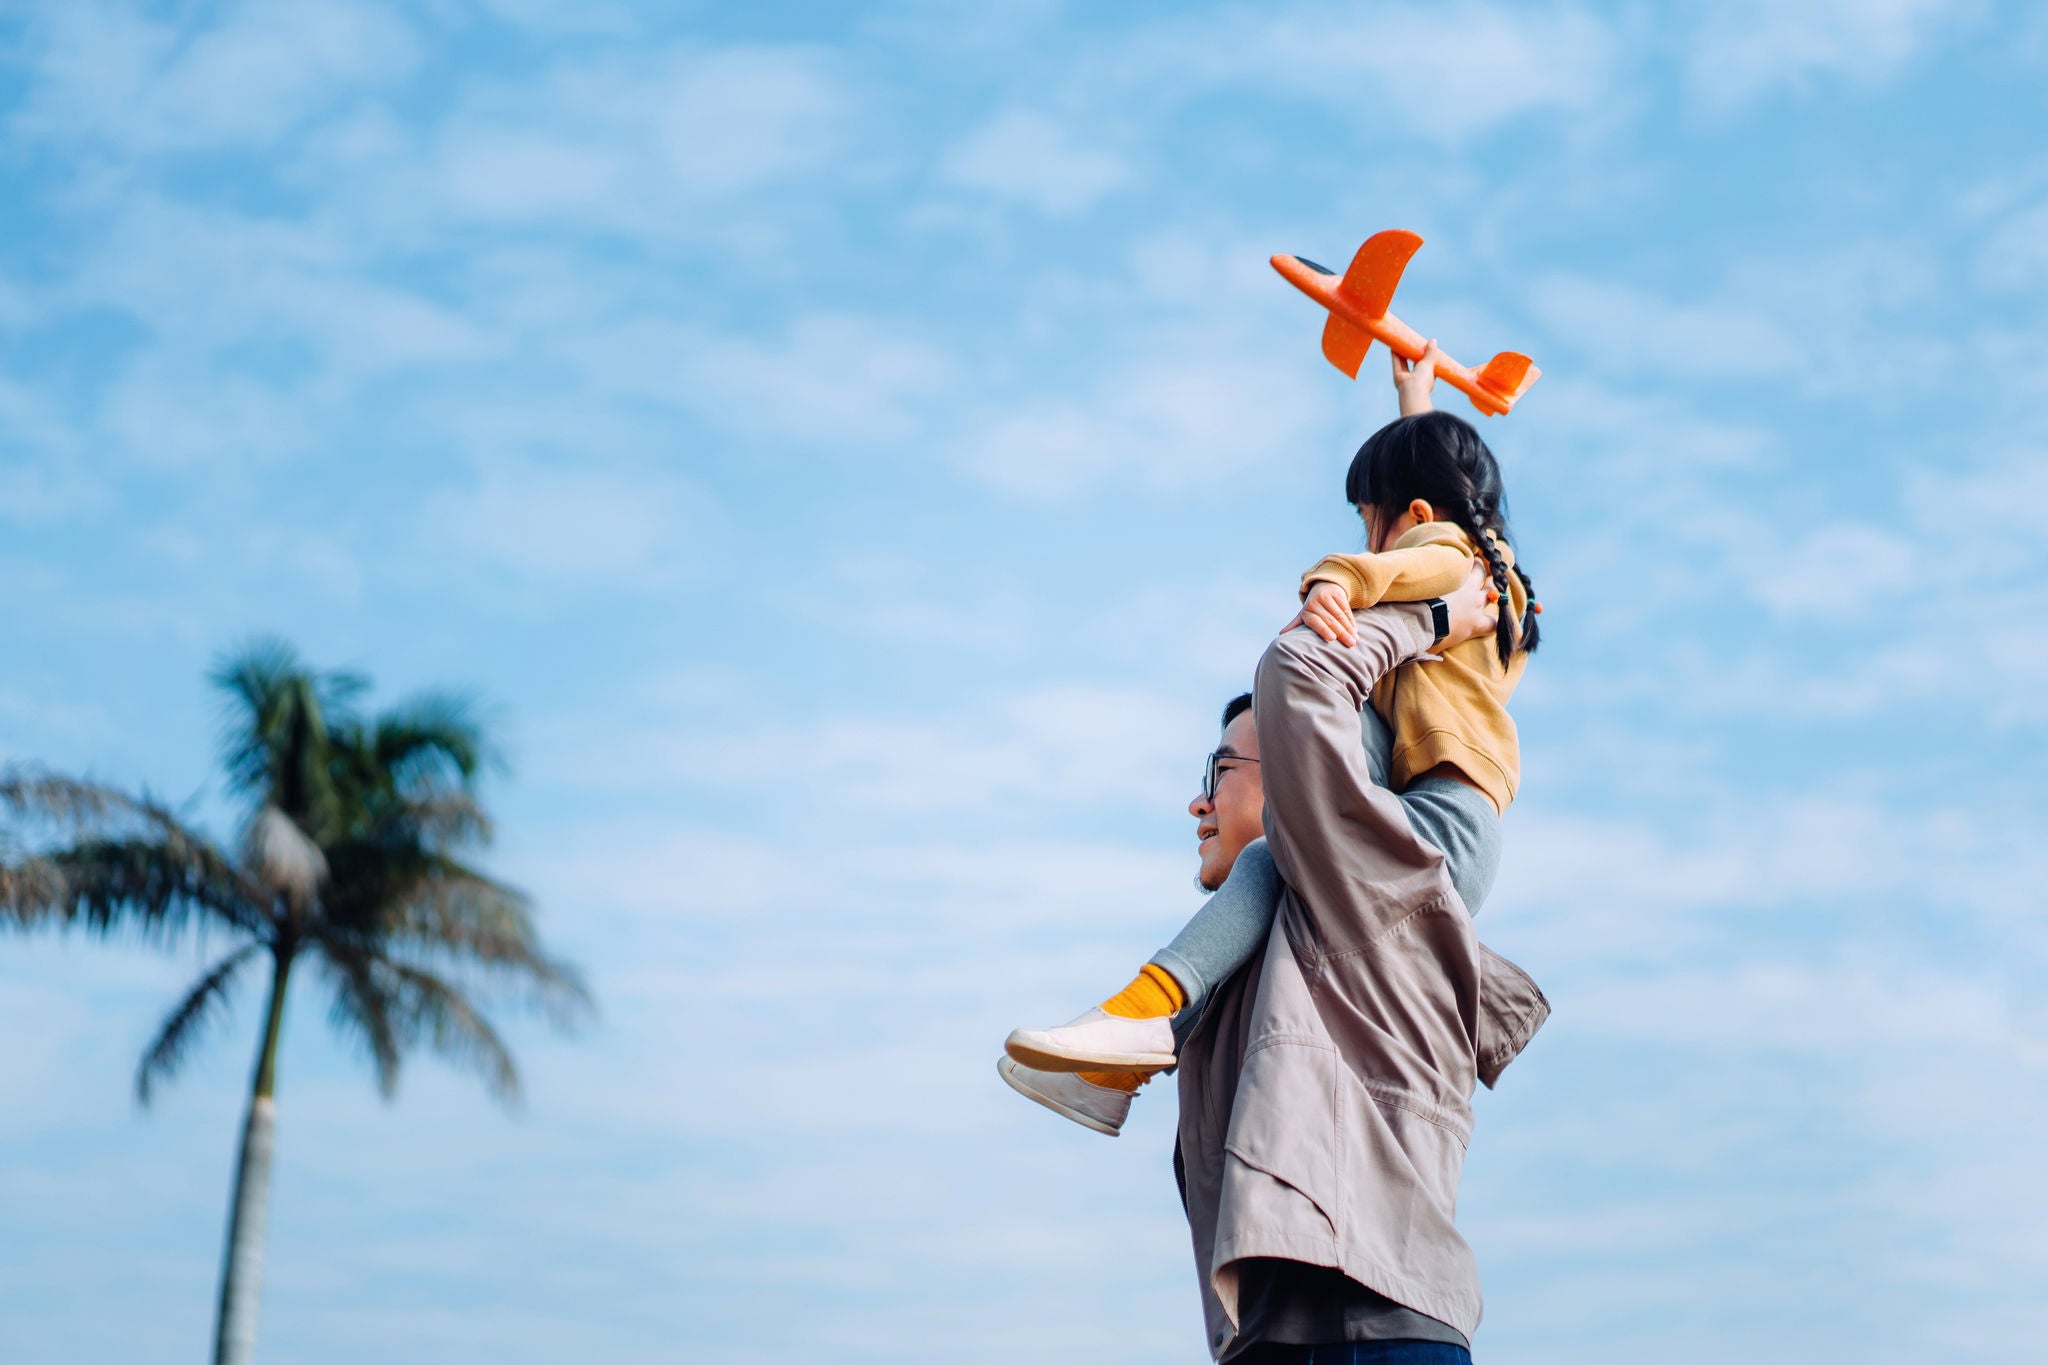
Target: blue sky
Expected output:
[855,451]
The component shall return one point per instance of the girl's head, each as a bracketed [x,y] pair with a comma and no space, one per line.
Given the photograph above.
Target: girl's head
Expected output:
[1434,467]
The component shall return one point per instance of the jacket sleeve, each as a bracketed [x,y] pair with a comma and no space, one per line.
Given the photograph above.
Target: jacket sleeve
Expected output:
[1342,842]
[1413,573]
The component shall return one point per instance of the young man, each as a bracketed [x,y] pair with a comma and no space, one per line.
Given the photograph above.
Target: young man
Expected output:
[1322,1128]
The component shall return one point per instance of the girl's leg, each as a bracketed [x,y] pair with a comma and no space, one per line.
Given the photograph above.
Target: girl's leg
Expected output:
[1231,926]
[1461,822]
[1456,818]
[1226,931]
[1153,1014]
[1229,929]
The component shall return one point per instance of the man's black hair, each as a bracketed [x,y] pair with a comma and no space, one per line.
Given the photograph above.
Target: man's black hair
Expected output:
[1236,707]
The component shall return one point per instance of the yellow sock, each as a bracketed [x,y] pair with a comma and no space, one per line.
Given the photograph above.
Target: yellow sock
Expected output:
[1152,994]
[1126,1081]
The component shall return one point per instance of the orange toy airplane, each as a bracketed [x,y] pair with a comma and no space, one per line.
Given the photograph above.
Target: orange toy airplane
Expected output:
[1358,314]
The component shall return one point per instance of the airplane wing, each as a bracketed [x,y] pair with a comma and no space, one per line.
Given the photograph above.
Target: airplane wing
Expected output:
[1345,344]
[1376,272]
[1508,374]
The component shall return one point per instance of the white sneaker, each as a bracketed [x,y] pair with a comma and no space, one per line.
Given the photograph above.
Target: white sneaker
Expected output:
[1091,1106]
[1095,1042]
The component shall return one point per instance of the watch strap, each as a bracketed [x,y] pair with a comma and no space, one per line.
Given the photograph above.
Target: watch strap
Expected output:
[1440,621]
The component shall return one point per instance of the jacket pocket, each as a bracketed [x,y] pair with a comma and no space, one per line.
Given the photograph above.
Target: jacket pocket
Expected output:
[1511,1009]
[1283,1123]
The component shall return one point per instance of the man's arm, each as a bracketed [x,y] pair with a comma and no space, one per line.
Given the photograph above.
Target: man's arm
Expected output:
[1342,841]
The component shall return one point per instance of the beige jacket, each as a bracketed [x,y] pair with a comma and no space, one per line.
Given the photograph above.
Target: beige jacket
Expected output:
[1325,1097]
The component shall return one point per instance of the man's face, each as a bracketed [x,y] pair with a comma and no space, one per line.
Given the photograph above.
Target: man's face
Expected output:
[1236,814]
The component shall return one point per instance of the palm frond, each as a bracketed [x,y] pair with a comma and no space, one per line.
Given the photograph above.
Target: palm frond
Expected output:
[184,1026]
[28,886]
[276,727]
[433,910]
[410,773]
[133,863]
[392,1006]
[436,1012]
[444,821]
[52,801]
[362,1007]
[106,886]
[439,735]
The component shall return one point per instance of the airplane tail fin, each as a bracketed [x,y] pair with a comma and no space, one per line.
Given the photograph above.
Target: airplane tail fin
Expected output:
[1376,271]
[1508,375]
[1345,344]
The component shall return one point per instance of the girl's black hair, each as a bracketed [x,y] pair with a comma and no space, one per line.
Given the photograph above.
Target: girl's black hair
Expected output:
[1439,458]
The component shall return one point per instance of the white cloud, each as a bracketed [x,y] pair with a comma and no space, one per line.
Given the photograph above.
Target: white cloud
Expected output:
[1767,1006]
[558,18]
[1072,745]
[831,381]
[1743,50]
[1684,882]
[738,118]
[1175,419]
[1626,331]
[2015,253]
[645,144]
[105,73]
[1882,564]
[573,527]
[45,475]
[1030,159]
[206,280]
[152,420]
[1442,72]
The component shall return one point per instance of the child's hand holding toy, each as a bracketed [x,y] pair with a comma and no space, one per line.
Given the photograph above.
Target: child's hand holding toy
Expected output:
[1414,382]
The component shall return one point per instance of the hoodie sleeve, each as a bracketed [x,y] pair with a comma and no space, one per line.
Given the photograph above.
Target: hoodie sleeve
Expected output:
[1429,561]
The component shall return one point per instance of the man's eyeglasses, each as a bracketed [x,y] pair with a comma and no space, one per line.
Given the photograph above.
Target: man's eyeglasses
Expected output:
[1212,771]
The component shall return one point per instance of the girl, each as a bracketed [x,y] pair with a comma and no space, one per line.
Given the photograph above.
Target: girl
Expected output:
[1438,732]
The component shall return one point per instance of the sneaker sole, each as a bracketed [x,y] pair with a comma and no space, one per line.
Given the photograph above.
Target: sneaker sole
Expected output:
[1008,1069]
[1042,1052]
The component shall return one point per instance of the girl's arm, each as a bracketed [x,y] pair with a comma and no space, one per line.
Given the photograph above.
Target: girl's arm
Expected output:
[1412,383]
[1326,606]
[1407,573]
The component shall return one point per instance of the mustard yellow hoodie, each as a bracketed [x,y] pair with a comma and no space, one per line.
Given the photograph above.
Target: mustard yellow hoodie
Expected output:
[1452,709]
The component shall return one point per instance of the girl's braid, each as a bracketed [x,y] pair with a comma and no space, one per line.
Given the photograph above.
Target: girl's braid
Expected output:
[1474,524]
[1529,613]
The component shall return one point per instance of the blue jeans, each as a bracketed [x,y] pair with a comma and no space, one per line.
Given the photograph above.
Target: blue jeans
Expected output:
[1356,1353]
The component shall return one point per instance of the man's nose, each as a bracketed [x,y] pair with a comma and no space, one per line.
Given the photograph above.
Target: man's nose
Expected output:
[1200,806]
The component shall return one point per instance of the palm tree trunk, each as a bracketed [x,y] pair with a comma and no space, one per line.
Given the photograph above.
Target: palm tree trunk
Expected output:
[241,1276]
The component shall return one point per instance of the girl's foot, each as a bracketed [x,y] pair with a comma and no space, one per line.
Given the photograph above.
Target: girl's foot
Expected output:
[1101,1107]
[1096,1042]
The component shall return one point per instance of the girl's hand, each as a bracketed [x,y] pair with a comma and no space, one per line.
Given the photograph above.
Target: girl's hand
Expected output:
[1414,382]
[1327,611]
[1475,609]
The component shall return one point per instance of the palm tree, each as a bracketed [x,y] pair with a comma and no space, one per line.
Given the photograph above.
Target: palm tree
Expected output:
[350,863]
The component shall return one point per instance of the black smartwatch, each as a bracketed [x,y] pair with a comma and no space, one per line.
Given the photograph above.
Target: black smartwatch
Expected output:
[1440,620]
